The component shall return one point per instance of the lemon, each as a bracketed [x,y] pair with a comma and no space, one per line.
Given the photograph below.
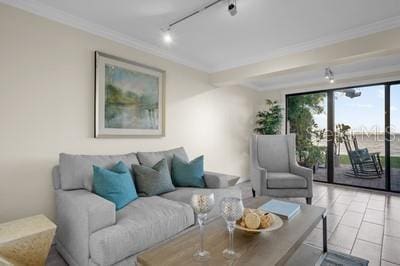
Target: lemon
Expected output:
[252,221]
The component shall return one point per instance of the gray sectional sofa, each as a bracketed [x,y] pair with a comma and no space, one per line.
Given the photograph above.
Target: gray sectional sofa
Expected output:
[91,232]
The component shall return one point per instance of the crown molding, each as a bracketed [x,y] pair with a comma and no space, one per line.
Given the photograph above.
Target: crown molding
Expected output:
[379,26]
[51,13]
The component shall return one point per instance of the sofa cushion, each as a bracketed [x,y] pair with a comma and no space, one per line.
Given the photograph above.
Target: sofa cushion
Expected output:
[285,180]
[115,185]
[76,171]
[151,181]
[188,174]
[151,158]
[141,224]
[184,194]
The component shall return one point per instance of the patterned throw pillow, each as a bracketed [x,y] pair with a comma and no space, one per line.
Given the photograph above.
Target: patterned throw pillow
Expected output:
[153,181]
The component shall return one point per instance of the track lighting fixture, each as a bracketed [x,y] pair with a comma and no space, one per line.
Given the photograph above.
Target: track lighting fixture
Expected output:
[167,37]
[232,7]
[329,75]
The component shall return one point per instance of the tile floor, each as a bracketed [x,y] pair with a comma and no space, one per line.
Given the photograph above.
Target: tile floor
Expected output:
[360,222]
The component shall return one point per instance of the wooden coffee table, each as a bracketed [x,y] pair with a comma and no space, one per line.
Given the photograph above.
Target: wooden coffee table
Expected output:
[268,248]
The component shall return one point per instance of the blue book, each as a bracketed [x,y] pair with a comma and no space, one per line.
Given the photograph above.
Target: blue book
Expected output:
[284,209]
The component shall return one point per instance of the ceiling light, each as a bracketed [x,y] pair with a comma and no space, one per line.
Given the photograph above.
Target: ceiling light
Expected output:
[167,37]
[329,75]
[232,7]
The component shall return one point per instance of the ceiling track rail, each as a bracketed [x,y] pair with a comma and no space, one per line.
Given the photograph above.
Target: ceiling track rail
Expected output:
[194,13]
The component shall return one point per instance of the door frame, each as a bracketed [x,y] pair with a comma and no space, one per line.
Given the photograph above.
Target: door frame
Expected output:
[331,128]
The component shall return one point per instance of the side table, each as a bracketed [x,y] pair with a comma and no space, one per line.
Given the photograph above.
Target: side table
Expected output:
[26,241]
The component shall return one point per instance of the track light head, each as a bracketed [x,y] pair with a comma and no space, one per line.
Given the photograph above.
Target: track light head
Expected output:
[232,8]
[327,73]
[167,37]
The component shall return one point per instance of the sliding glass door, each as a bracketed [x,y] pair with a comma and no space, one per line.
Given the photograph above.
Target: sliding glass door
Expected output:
[359,144]
[395,137]
[307,118]
[349,136]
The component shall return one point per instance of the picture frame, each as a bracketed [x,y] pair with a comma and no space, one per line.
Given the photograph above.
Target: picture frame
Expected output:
[129,98]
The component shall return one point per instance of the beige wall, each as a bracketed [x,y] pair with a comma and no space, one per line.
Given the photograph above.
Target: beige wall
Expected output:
[46,107]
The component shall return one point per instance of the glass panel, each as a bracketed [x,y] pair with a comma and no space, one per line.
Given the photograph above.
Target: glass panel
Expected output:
[359,136]
[307,117]
[395,137]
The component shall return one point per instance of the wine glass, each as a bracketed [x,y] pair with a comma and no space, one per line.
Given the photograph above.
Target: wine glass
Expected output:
[231,209]
[202,203]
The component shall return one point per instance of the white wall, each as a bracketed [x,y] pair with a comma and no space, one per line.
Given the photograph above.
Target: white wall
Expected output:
[46,107]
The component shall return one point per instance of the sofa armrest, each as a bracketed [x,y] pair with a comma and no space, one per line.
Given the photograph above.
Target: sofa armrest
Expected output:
[79,213]
[218,180]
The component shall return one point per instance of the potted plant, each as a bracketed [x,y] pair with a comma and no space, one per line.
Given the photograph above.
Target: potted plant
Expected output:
[269,121]
[315,156]
[312,154]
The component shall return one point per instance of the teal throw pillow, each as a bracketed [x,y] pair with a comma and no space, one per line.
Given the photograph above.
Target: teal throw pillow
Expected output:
[188,174]
[121,168]
[115,185]
[151,181]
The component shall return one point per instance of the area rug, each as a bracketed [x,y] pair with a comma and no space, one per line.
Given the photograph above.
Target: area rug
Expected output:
[336,259]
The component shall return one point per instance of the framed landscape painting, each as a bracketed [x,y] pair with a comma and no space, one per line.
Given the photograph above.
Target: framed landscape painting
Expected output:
[129,98]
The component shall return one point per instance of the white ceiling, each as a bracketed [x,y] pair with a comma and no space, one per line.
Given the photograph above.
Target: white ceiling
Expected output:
[213,40]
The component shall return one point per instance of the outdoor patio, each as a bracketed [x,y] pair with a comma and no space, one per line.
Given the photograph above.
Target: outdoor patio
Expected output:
[341,178]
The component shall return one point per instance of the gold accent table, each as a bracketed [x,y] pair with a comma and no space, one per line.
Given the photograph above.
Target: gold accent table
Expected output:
[26,241]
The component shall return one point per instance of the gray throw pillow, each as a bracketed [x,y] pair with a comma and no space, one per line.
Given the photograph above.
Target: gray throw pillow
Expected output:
[153,181]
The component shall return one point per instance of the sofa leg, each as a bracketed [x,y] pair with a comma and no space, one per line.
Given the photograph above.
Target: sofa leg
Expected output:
[254,192]
[309,201]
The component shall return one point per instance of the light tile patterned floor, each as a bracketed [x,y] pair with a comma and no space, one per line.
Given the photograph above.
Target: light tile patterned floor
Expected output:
[360,222]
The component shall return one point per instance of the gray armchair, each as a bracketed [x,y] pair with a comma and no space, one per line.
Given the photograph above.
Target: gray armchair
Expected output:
[274,169]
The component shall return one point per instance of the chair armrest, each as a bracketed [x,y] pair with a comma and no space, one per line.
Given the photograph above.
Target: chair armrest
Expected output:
[259,180]
[375,154]
[79,213]
[218,180]
[307,173]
